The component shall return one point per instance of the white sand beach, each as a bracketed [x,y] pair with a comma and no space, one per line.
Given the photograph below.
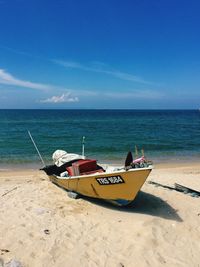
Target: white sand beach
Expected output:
[41,226]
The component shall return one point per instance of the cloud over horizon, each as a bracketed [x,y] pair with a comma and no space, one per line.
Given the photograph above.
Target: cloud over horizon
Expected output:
[8,79]
[64,98]
[101,68]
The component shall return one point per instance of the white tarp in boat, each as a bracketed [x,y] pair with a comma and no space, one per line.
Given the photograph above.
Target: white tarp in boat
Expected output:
[60,157]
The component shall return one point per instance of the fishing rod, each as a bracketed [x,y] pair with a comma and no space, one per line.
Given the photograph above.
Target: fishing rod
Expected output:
[36,149]
[83,146]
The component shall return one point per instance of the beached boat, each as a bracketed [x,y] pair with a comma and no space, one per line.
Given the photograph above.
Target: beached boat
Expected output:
[85,177]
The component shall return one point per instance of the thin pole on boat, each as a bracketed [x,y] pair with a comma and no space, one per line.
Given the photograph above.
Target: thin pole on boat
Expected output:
[136,152]
[83,146]
[36,149]
[142,151]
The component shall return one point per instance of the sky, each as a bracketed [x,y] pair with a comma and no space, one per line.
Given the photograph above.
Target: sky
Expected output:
[108,54]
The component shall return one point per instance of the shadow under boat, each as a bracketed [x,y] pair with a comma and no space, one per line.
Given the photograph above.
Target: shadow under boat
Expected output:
[144,203]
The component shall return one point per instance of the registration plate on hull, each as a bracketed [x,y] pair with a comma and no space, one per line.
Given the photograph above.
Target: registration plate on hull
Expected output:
[110,180]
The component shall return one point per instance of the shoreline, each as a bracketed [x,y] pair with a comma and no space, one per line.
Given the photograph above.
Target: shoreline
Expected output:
[157,165]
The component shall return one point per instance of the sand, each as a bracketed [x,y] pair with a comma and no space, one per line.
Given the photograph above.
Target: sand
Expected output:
[40,226]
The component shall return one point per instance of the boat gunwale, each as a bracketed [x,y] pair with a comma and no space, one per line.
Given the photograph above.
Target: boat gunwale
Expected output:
[100,174]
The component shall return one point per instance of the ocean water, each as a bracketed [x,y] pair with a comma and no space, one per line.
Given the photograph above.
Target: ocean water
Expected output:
[165,135]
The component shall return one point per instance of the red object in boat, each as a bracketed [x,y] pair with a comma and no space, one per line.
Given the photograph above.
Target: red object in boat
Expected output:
[86,165]
[83,166]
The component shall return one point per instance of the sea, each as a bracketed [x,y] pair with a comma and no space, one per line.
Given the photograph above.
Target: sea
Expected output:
[164,135]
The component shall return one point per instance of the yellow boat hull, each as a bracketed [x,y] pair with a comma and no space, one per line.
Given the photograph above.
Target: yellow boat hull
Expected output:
[119,187]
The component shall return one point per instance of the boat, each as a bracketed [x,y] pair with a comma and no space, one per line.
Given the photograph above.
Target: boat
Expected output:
[84,177]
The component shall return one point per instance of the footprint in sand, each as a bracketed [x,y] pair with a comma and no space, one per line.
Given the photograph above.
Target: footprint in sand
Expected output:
[3,251]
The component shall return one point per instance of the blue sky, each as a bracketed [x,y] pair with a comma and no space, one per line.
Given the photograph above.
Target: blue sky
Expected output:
[136,54]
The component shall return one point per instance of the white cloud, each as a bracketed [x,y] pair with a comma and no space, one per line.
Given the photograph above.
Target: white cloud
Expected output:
[8,79]
[64,98]
[100,68]
[70,64]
